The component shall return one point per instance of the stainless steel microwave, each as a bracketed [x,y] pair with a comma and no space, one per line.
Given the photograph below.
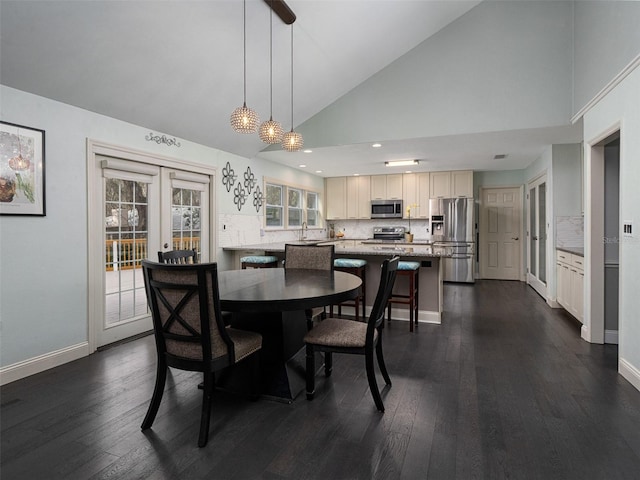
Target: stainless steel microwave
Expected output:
[386,208]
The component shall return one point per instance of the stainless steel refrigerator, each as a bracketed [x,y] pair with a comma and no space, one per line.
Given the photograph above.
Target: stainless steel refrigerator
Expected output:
[452,227]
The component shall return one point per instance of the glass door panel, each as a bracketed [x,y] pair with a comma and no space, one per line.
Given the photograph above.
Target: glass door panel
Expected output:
[537,236]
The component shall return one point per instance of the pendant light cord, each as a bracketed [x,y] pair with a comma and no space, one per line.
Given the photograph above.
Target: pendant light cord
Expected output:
[292,77]
[244,47]
[271,62]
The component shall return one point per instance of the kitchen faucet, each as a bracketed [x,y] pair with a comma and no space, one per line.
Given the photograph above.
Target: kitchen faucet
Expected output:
[303,231]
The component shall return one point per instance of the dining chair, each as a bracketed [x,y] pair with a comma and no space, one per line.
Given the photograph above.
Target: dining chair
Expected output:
[313,257]
[189,331]
[335,335]
[178,256]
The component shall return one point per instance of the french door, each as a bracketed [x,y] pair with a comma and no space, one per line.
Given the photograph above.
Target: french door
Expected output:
[139,208]
[537,235]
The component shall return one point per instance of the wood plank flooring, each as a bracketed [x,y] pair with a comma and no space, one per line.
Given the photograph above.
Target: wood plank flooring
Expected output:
[504,388]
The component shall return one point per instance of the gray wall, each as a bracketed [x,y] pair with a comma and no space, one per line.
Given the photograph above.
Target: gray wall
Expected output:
[607,38]
[480,73]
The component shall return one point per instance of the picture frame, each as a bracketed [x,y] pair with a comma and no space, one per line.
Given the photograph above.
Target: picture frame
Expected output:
[22,170]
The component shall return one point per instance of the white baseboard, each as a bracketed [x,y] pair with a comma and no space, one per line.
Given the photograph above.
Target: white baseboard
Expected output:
[553,303]
[611,336]
[424,316]
[38,364]
[629,372]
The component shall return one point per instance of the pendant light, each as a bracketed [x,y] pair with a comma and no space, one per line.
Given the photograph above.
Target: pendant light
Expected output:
[292,141]
[271,131]
[244,119]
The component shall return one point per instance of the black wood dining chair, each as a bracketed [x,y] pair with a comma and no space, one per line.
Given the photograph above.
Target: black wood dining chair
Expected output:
[335,335]
[313,257]
[178,256]
[190,333]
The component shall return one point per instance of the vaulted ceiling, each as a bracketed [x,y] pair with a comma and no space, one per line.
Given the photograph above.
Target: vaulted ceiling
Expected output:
[177,68]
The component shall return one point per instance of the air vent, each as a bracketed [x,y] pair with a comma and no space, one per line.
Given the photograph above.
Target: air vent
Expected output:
[500,156]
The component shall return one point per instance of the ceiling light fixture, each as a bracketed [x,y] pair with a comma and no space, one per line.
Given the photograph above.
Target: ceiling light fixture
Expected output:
[244,119]
[271,131]
[402,163]
[376,145]
[308,151]
[292,141]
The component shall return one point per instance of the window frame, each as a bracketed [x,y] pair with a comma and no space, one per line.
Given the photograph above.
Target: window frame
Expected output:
[304,190]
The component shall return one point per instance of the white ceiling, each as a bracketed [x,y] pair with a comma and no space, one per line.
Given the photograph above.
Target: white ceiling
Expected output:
[176,68]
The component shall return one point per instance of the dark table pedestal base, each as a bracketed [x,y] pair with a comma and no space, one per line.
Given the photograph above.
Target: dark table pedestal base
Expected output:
[282,358]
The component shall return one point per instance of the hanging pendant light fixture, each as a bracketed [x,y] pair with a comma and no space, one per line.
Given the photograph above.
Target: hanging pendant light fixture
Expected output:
[292,141]
[271,131]
[244,119]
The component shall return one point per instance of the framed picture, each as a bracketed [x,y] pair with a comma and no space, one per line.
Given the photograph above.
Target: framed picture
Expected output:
[21,170]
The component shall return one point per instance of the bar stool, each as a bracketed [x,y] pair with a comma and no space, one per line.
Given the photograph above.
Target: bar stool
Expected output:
[356,267]
[259,261]
[411,271]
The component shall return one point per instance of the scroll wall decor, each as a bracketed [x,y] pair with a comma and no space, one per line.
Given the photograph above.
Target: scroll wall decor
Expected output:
[244,188]
[162,139]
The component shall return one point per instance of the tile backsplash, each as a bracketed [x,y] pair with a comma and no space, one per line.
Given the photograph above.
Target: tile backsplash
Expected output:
[570,231]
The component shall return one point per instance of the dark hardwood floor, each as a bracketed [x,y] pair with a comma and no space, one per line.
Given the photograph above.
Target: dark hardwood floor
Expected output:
[504,388]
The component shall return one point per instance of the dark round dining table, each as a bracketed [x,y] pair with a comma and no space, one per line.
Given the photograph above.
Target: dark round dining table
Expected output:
[272,302]
[279,289]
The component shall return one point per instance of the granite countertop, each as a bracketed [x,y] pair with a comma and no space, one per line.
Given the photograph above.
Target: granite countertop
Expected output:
[347,248]
[575,250]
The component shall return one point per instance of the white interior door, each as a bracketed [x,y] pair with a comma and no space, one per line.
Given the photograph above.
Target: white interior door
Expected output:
[138,209]
[500,227]
[537,235]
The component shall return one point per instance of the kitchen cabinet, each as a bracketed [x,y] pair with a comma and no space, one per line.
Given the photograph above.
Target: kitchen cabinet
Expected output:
[451,184]
[409,193]
[386,187]
[423,189]
[570,283]
[440,185]
[336,198]
[462,183]
[359,197]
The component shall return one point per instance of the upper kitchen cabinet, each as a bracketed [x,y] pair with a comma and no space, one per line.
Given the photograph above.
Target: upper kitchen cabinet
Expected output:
[451,184]
[359,197]
[423,191]
[336,198]
[462,183]
[386,187]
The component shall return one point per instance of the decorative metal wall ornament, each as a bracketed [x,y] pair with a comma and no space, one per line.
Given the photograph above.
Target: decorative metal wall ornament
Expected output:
[249,180]
[239,196]
[162,139]
[228,176]
[258,199]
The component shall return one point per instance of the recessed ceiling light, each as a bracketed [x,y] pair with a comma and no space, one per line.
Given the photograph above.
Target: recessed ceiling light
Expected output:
[356,174]
[408,171]
[318,171]
[402,163]
[307,151]
[302,166]
[376,145]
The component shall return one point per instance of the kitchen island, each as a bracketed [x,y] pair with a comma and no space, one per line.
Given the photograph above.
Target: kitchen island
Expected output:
[430,275]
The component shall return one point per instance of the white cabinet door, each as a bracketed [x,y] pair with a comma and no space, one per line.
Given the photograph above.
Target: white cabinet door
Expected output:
[422,188]
[394,187]
[409,193]
[358,197]
[577,293]
[563,287]
[336,198]
[440,184]
[462,183]
[378,187]
[364,197]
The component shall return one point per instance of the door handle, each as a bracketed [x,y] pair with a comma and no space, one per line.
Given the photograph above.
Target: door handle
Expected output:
[535,238]
[515,238]
[166,245]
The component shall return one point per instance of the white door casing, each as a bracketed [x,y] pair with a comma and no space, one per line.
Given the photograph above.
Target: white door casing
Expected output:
[536,237]
[500,233]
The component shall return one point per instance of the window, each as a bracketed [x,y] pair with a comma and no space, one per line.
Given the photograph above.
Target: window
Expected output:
[295,207]
[313,215]
[301,206]
[274,207]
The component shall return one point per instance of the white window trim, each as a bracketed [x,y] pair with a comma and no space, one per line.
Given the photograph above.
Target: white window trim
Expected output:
[285,205]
